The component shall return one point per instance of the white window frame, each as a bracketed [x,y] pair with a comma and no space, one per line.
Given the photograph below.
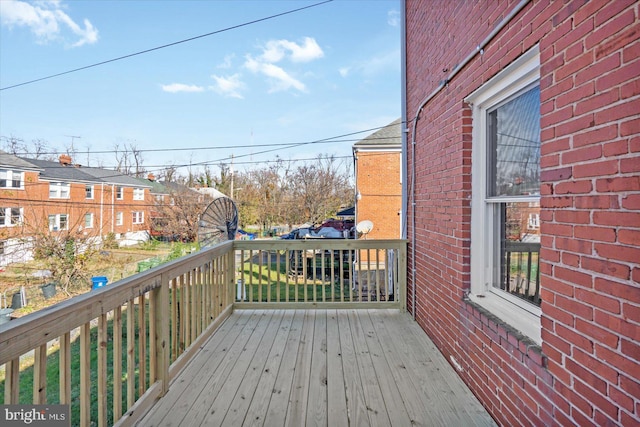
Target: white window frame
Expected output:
[138,194]
[119,218]
[55,224]
[8,217]
[10,177]
[522,315]
[88,216]
[88,191]
[137,217]
[119,193]
[59,190]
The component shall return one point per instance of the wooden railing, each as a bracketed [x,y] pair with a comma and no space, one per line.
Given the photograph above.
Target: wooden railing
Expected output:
[116,350]
[320,272]
[521,272]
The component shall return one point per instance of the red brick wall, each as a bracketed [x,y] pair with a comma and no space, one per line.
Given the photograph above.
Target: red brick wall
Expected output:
[37,205]
[586,372]
[378,183]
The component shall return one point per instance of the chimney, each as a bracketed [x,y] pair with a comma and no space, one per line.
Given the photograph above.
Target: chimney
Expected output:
[65,159]
[151,177]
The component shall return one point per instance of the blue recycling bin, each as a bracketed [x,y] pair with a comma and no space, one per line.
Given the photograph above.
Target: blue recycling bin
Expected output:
[99,281]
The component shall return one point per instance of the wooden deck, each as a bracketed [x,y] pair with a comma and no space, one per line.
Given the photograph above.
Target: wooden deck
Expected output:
[318,367]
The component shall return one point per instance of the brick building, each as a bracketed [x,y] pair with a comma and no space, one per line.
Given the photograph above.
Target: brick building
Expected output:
[378,181]
[40,197]
[523,202]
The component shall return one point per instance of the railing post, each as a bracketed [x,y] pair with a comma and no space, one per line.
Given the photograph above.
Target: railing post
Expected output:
[231,275]
[162,338]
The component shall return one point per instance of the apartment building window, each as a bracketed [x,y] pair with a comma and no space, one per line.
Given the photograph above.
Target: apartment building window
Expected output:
[88,220]
[59,190]
[2,246]
[505,205]
[11,179]
[119,218]
[10,217]
[88,190]
[119,193]
[58,222]
[138,194]
[138,217]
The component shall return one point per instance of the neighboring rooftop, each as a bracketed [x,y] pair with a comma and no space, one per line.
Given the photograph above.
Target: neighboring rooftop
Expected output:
[387,137]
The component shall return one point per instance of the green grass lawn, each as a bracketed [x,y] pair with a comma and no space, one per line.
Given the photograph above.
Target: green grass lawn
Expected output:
[274,277]
[26,374]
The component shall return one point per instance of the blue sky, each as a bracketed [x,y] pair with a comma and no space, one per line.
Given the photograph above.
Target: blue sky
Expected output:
[322,72]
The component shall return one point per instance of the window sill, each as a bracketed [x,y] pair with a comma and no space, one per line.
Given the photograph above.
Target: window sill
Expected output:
[526,321]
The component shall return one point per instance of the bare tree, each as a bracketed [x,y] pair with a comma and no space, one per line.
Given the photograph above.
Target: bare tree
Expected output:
[64,252]
[40,150]
[13,145]
[129,159]
[178,217]
[320,189]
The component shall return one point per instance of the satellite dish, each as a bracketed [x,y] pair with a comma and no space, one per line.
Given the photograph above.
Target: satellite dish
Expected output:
[364,227]
[218,222]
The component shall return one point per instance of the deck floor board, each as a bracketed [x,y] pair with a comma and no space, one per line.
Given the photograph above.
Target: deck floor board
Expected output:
[321,367]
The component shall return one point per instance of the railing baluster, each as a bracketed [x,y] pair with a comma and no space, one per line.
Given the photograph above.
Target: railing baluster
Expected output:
[278,277]
[260,265]
[117,363]
[64,367]
[142,345]
[12,382]
[102,370]
[131,356]
[85,375]
[173,302]
[40,375]
[153,335]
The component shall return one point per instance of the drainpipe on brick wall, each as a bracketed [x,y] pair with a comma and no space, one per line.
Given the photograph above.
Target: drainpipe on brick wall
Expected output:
[454,72]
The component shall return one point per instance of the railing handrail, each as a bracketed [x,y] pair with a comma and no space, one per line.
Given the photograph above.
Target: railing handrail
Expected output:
[319,243]
[24,334]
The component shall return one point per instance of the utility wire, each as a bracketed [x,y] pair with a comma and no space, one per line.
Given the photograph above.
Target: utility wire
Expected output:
[255,21]
[328,140]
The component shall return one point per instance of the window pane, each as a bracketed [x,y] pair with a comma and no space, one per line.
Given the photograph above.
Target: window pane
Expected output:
[519,250]
[3,216]
[63,222]
[514,146]
[15,216]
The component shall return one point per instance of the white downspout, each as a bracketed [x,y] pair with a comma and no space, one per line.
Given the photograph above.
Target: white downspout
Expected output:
[113,207]
[102,210]
[454,72]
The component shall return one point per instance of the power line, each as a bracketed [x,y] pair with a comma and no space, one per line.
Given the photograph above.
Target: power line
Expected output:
[281,146]
[255,21]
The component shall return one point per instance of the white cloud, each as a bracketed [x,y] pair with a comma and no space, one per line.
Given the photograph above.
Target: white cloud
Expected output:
[279,79]
[393,18]
[276,50]
[226,64]
[228,86]
[46,20]
[180,87]
[380,63]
